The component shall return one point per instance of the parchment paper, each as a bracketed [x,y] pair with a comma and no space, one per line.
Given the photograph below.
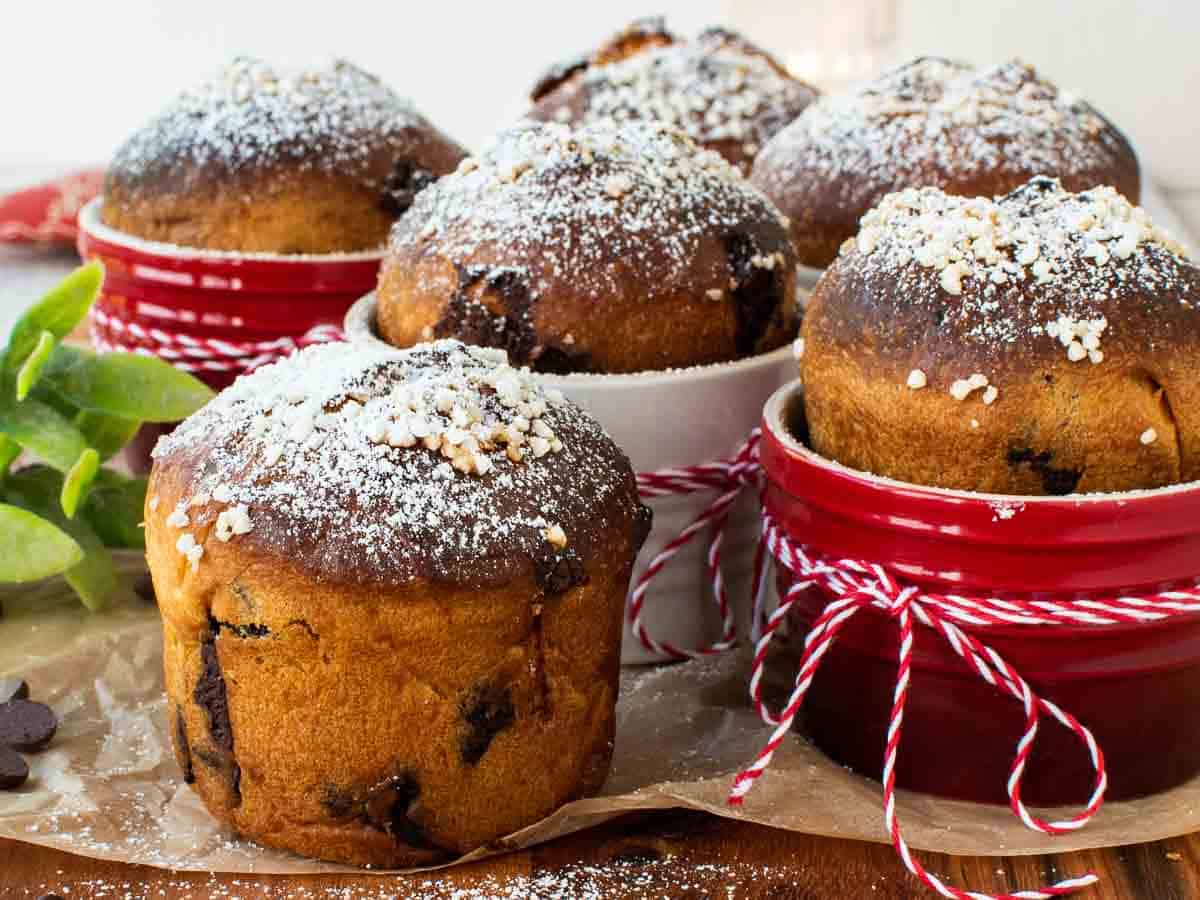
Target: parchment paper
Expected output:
[108,786]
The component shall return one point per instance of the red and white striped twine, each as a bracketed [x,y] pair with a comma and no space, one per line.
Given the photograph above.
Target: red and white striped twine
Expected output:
[46,232]
[727,476]
[854,585]
[200,354]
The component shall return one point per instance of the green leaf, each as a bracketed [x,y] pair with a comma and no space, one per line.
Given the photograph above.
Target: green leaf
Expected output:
[32,548]
[95,577]
[107,434]
[9,451]
[115,507]
[58,313]
[44,432]
[42,391]
[125,384]
[77,481]
[35,486]
[92,575]
[32,367]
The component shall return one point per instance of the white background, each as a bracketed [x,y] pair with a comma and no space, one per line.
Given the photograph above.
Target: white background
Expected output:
[76,77]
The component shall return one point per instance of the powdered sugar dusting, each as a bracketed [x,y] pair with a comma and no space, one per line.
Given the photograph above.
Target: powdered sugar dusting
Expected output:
[935,121]
[712,92]
[386,464]
[253,114]
[592,206]
[1039,262]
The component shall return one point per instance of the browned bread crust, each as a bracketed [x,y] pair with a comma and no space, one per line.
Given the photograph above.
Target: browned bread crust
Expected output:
[1044,343]
[601,249]
[726,93]
[317,161]
[379,651]
[939,123]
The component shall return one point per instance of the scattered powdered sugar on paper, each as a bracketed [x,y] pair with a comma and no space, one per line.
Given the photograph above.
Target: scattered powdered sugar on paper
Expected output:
[683,731]
[382,464]
[1038,262]
[939,118]
[253,114]
[591,206]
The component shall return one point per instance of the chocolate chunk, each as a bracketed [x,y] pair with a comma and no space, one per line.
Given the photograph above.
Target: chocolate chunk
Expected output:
[643,523]
[144,588]
[340,804]
[560,571]
[50,897]
[472,321]
[210,693]
[486,713]
[1055,482]
[560,361]
[27,726]
[758,295]
[14,771]
[252,630]
[224,764]
[13,689]
[183,750]
[387,808]
[403,185]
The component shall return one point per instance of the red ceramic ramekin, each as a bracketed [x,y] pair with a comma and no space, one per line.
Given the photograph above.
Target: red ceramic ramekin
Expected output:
[152,290]
[1137,687]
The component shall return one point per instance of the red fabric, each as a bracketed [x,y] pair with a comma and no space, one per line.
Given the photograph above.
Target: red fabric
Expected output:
[46,213]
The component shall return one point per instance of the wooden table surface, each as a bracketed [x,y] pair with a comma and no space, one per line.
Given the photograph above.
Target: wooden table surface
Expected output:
[670,854]
[673,854]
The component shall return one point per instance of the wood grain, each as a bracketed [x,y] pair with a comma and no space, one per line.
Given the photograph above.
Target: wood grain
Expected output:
[672,854]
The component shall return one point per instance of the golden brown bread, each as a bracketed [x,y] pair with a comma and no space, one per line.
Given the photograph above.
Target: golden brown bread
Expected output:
[317,161]
[385,649]
[938,123]
[1043,343]
[727,94]
[601,249]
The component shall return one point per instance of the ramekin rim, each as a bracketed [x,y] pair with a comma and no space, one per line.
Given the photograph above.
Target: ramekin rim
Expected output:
[775,428]
[362,309]
[91,226]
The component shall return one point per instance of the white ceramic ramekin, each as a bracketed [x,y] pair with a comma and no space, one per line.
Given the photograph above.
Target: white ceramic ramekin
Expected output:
[807,277]
[673,419]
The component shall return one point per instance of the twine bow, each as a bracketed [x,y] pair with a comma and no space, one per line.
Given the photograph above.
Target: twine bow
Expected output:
[854,585]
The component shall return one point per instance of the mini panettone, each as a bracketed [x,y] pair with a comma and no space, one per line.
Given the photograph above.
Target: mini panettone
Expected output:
[599,249]
[1044,342]
[727,94]
[934,123]
[317,160]
[391,585]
